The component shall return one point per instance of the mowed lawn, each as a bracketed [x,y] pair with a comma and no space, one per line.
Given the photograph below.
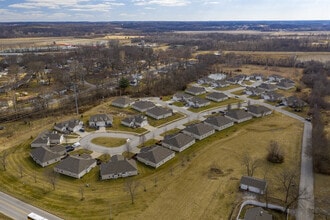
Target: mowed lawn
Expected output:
[181,189]
[109,141]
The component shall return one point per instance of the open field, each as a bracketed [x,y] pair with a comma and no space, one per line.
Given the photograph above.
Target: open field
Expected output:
[189,193]
[322,199]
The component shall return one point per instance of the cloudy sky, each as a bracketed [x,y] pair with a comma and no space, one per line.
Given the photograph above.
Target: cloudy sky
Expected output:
[158,10]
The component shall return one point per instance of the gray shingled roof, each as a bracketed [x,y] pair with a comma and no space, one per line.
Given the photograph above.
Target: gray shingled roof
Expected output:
[267,86]
[218,120]
[155,153]
[100,117]
[199,129]
[258,109]
[159,111]
[255,182]
[75,164]
[199,100]
[178,140]
[257,213]
[216,95]
[143,105]
[118,164]
[195,90]
[181,95]
[238,114]
[44,154]
[122,101]
[68,125]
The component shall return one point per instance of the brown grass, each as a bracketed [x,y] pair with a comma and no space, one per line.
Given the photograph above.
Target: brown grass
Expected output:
[109,142]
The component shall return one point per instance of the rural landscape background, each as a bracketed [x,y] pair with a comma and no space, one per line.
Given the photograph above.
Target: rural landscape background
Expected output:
[95,62]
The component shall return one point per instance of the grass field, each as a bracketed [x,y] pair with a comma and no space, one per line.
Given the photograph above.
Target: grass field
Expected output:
[109,142]
[187,193]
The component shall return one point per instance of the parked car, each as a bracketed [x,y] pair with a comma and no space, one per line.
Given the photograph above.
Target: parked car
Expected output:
[69,148]
[82,130]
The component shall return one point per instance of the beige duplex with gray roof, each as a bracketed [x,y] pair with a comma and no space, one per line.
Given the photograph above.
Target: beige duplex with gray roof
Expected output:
[199,131]
[197,102]
[47,138]
[238,115]
[196,90]
[100,120]
[259,110]
[118,167]
[159,112]
[155,155]
[219,122]
[135,121]
[216,96]
[143,106]
[122,102]
[178,142]
[45,155]
[69,126]
[75,166]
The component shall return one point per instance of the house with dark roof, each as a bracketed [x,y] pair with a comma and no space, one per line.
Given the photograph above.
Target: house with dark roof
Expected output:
[196,90]
[73,125]
[135,121]
[143,106]
[252,184]
[221,84]
[238,115]
[48,138]
[254,91]
[285,85]
[100,120]
[45,156]
[258,110]
[199,131]
[267,87]
[118,167]
[272,96]
[257,213]
[197,102]
[219,122]
[155,155]
[159,112]
[216,96]
[122,102]
[178,142]
[75,166]
[294,102]
[181,97]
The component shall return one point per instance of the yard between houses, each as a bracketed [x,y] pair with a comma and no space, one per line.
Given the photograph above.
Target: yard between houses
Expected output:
[180,189]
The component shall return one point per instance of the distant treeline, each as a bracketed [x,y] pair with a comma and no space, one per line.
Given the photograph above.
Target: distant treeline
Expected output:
[59,29]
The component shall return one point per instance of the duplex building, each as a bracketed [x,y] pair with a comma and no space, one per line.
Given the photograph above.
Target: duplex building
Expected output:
[238,115]
[258,110]
[143,106]
[122,102]
[155,155]
[178,142]
[216,96]
[159,112]
[199,131]
[100,120]
[135,121]
[118,167]
[219,122]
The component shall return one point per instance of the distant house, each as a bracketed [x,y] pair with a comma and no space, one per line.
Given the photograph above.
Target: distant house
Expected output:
[47,138]
[267,87]
[219,122]
[238,115]
[294,102]
[73,125]
[257,213]
[181,97]
[121,102]
[285,85]
[143,106]
[272,96]
[45,156]
[258,110]
[216,96]
[221,83]
[155,155]
[275,78]
[178,142]
[195,90]
[135,121]
[197,102]
[75,166]
[254,91]
[100,120]
[159,112]
[118,167]
[199,131]
[253,184]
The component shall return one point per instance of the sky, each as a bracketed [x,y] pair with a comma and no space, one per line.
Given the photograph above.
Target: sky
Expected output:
[163,10]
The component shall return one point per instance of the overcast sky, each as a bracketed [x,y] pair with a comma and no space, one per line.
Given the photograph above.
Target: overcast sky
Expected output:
[160,10]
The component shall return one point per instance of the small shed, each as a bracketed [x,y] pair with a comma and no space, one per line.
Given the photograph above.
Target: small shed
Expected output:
[253,184]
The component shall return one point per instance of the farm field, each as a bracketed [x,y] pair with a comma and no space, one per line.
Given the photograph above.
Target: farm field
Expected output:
[174,190]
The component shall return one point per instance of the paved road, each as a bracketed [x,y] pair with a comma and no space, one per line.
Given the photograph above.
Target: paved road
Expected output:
[17,209]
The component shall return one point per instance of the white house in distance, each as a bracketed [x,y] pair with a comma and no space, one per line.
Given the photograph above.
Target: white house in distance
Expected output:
[155,155]
[76,166]
[159,112]
[100,120]
[252,184]
[117,167]
[178,142]
[122,102]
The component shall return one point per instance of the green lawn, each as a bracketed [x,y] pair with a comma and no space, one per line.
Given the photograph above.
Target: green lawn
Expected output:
[109,141]
[173,131]
[228,87]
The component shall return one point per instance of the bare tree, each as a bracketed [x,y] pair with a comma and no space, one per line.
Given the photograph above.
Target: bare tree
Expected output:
[250,163]
[130,186]
[3,159]
[82,193]
[21,170]
[51,177]
[275,152]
